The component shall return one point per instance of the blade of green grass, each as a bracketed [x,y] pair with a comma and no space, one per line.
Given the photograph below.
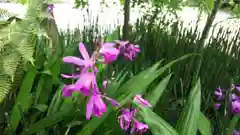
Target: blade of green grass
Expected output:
[188,122]
[204,125]
[21,98]
[155,94]
[157,125]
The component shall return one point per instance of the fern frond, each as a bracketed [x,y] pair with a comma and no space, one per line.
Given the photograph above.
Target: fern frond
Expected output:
[5,86]
[10,64]
[17,45]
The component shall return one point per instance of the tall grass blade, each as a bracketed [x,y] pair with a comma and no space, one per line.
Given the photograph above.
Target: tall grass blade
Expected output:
[188,122]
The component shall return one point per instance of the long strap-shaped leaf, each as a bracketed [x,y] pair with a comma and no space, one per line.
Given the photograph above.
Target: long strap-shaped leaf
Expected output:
[188,122]
[22,98]
[155,94]
[204,125]
[157,125]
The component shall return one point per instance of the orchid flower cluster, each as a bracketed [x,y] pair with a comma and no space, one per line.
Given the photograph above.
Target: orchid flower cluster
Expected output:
[128,120]
[87,84]
[220,95]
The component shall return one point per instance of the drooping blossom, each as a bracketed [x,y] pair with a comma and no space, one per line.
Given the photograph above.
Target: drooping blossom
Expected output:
[139,127]
[235,132]
[127,119]
[96,105]
[219,93]
[109,52]
[138,99]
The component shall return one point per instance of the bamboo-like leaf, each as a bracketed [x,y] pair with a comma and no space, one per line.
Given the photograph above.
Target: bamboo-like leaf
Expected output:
[155,94]
[157,125]
[56,102]
[21,98]
[188,122]
[49,121]
[204,125]
[233,123]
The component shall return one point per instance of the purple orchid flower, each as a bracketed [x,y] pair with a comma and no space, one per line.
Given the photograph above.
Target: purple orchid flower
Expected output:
[235,132]
[236,106]
[219,93]
[127,118]
[129,51]
[138,99]
[85,78]
[109,52]
[96,106]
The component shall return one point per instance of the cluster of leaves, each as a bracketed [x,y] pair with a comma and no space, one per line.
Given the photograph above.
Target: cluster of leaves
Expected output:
[18,44]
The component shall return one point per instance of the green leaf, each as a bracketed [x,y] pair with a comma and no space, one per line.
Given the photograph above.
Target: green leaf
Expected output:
[51,120]
[188,122]
[157,125]
[155,95]
[204,125]
[233,124]
[21,98]
[56,102]
[40,107]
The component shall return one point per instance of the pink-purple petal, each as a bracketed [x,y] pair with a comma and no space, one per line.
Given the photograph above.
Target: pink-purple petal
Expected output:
[74,60]
[138,99]
[112,101]
[83,51]
[68,90]
[89,108]
[74,76]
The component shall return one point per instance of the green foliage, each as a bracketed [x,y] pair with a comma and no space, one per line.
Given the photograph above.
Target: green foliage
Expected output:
[188,122]
[40,108]
[18,43]
[204,125]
